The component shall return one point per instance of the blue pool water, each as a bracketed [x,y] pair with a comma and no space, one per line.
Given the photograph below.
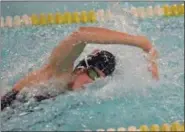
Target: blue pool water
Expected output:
[130,97]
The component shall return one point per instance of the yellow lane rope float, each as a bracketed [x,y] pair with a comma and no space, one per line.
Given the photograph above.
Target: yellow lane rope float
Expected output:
[174,127]
[89,16]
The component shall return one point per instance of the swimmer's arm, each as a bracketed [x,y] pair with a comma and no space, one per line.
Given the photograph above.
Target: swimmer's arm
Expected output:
[64,54]
[107,36]
[68,50]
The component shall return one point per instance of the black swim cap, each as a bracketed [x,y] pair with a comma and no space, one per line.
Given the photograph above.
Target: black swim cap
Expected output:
[103,60]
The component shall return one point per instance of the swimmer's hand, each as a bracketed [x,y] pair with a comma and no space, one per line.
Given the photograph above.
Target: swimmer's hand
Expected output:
[8,98]
[153,66]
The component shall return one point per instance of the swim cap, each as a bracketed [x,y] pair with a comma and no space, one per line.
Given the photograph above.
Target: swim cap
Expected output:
[103,60]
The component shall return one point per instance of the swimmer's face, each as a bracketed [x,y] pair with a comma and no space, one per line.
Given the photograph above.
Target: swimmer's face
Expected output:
[83,77]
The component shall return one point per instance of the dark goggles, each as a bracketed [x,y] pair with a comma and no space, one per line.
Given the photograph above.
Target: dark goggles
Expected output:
[92,73]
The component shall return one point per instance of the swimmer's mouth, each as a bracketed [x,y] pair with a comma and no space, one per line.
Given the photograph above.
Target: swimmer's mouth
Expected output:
[41,97]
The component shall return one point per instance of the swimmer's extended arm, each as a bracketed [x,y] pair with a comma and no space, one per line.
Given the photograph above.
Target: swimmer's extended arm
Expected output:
[107,36]
[64,55]
[69,49]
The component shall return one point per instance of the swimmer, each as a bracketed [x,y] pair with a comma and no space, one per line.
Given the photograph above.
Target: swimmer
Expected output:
[99,64]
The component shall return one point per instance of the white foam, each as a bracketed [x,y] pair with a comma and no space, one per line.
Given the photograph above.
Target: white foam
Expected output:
[131,69]
[4,87]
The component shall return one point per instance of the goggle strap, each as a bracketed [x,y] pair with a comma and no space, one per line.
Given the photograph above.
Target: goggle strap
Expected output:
[87,65]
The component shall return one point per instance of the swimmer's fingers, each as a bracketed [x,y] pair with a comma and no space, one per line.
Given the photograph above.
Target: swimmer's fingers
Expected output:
[153,54]
[153,68]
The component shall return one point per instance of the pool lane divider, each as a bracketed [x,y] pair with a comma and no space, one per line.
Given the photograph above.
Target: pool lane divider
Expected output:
[174,127]
[89,16]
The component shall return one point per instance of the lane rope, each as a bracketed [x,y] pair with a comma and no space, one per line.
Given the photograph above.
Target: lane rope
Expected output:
[89,16]
[174,127]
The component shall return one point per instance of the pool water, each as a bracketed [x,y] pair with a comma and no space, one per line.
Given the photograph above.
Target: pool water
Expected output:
[129,97]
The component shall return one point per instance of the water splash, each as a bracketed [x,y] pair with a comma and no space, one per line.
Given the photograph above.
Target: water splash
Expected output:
[129,97]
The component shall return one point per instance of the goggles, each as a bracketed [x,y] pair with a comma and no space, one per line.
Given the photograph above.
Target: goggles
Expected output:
[92,73]
[90,70]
